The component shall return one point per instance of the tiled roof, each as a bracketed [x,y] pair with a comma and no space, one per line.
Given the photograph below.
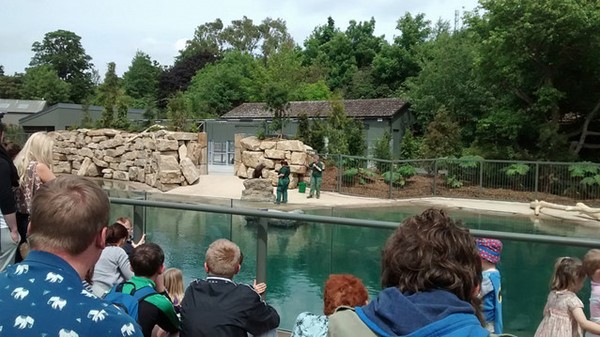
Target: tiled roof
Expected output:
[360,108]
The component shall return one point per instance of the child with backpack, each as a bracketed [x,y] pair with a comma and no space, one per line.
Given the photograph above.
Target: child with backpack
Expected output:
[144,296]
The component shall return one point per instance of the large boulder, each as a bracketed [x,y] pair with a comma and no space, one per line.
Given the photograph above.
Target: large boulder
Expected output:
[290,145]
[250,143]
[258,190]
[189,170]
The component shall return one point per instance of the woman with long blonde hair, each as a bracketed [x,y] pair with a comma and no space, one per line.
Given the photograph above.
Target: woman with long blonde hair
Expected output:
[34,166]
[173,280]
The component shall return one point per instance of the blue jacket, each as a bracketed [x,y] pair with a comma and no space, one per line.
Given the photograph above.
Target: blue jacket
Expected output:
[492,301]
[434,313]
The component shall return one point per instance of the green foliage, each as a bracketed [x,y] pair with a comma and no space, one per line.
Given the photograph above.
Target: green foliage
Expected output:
[303,131]
[410,147]
[108,96]
[358,174]
[583,169]
[399,176]
[86,121]
[140,81]
[42,82]
[453,182]
[516,170]
[179,113]
[276,100]
[63,51]
[10,86]
[383,150]
[443,136]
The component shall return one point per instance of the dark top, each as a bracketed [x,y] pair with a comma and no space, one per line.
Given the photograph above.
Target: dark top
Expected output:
[154,310]
[285,170]
[218,307]
[8,179]
[316,172]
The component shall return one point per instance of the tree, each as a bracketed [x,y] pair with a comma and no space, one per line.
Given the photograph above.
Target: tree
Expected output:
[63,51]
[178,77]
[219,87]
[10,86]
[42,83]
[443,136]
[140,81]
[277,102]
[383,150]
[540,60]
[397,62]
[109,92]
[179,113]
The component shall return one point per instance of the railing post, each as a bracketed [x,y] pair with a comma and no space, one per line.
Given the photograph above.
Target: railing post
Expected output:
[340,173]
[434,177]
[537,178]
[261,250]
[481,175]
[139,219]
[391,170]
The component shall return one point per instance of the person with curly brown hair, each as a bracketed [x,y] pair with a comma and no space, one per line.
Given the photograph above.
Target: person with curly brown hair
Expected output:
[431,276]
[340,290]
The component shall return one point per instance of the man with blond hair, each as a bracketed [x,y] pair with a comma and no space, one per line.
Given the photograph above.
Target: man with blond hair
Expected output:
[44,294]
[219,307]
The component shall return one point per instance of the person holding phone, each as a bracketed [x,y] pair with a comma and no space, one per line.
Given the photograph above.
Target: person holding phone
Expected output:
[130,244]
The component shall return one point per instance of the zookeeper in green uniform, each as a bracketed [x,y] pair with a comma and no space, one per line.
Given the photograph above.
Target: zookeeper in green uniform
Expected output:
[283,182]
[317,167]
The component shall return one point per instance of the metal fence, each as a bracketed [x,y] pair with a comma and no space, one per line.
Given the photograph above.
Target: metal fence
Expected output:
[466,178]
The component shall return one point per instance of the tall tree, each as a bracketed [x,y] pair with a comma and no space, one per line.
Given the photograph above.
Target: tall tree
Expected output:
[42,83]
[277,102]
[140,81]
[10,86]
[399,61]
[108,96]
[63,51]
[540,59]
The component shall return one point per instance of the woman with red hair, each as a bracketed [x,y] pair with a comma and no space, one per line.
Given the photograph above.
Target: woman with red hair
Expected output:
[340,290]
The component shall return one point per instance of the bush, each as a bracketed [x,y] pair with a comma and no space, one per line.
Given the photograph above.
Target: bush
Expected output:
[399,176]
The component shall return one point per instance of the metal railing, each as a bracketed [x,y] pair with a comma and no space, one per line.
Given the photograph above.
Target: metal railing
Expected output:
[262,230]
[468,178]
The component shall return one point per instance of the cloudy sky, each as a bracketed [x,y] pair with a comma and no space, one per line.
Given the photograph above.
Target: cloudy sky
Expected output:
[112,30]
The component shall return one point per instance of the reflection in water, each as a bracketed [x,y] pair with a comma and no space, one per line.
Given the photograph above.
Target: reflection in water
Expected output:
[300,260]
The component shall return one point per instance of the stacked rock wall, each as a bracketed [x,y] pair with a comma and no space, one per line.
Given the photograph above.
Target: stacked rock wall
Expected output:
[270,153]
[161,159]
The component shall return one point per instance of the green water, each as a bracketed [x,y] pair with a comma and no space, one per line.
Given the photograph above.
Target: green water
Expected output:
[300,260]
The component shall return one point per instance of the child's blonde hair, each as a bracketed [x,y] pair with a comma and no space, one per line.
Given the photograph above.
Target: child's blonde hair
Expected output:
[568,272]
[37,148]
[173,278]
[591,262]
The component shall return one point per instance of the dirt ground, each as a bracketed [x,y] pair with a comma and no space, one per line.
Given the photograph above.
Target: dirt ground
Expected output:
[422,186]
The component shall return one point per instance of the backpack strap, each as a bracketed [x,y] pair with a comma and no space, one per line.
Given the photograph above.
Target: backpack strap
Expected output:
[139,294]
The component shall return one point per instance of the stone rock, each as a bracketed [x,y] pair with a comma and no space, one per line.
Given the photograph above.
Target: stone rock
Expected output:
[182,151]
[275,154]
[251,158]
[268,144]
[131,155]
[166,145]
[165,187]
[86,152]
[250,172]
[62,167]
[98,139]
[75,165]
[109,159]
[242,171]
[149,144]
[250,143]
[298,158]
[203,139]
[115,152]
[107,171]
[137,174]
[298,169]
[170,176]
[59,156]
[194,152]
[167,163]
[120,175]
[183,136]
[150,179]
[270,164]
[290,145]
[140,162]
[88,168]
[189,170]
[258,190]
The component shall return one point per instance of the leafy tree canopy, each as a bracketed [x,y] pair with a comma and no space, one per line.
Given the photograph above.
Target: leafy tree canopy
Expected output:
[42,83]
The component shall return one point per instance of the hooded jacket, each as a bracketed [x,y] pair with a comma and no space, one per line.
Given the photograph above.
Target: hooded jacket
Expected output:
[433,313]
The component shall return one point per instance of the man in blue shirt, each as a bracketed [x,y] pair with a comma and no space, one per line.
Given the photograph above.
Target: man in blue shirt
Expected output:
[44,294]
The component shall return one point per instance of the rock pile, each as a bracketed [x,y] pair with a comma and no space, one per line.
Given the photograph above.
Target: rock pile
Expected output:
[270,153]
[161,159]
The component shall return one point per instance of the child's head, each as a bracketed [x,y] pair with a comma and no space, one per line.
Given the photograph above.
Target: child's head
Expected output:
[591,264]
[147,260]
[489,250]
[173,278]
[432,251]
[343,289]
[116,234]
[223,258]
[568,274]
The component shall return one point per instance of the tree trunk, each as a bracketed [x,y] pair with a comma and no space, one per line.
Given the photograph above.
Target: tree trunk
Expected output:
[584,130]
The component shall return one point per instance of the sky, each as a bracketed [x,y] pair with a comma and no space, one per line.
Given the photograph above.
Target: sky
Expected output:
[113,30]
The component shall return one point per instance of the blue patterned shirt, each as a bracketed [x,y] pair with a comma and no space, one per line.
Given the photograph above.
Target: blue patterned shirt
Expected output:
[44,296]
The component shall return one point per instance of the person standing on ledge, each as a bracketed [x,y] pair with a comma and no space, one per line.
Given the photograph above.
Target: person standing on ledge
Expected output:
[317,167]
[283,182]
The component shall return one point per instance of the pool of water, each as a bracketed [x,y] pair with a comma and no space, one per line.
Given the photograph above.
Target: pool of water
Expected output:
[300,260]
